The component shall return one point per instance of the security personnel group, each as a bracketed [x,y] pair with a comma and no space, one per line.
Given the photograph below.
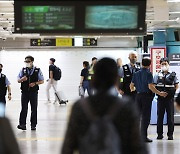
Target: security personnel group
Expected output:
[135,82]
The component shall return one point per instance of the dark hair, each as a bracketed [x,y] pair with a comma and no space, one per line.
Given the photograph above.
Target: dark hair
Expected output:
[164,60]
[105,74]
[94,58]
[1,65]
[52,59]
[86,63]
[146,61]
[29,57]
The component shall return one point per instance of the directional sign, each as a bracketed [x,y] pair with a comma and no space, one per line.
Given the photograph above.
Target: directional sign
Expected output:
[45,42]
[89,42]
[65,42]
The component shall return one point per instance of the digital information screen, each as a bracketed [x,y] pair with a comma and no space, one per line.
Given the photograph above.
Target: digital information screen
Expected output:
[48,17]
[111,17]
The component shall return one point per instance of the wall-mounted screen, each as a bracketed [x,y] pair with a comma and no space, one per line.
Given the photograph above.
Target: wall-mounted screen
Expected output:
[47,17]
[111,17]
[83,17]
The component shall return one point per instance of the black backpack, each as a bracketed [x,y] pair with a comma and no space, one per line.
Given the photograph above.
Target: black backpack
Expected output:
[102,136]
[57,73]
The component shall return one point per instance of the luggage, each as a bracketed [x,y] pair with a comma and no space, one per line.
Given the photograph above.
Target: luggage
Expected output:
[58,96]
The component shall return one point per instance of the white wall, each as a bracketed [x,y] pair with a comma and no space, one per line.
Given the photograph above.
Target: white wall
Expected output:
[69,60]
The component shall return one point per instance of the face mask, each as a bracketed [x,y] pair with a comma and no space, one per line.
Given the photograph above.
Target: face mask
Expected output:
[133,61]
[0,70]
[28,65]
[165,68]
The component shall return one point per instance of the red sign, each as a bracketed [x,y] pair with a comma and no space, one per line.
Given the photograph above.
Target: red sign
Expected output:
[156,55]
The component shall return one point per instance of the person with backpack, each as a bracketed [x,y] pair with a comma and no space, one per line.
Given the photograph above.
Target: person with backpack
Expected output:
[103,123]
[30,78]
[54,76]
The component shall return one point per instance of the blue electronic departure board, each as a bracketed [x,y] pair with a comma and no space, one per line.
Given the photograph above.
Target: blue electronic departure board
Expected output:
[83,17]
[111,17]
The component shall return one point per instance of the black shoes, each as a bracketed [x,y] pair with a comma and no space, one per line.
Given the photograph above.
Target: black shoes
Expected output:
[33,127]
[160,137]
[170,137]
[148,140]
[23,127]
[63,102]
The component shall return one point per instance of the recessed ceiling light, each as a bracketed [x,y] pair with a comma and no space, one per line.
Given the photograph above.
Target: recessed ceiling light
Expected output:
[173,1]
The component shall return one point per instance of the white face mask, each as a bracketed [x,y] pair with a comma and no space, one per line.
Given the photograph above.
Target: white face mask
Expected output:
[165,68]
[28,65]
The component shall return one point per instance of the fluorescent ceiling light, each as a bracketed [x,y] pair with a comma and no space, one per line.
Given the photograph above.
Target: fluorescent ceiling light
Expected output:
[173,1]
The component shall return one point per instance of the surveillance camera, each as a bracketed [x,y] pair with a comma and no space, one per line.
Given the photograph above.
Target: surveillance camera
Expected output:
[5,28]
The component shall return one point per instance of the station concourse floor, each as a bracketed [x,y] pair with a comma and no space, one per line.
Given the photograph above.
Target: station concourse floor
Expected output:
[52,120]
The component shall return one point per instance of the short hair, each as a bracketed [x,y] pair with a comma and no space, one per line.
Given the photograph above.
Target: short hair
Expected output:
[94,58]
[146,61]
[164,60]
[52,59]
[105,74]
[1,65]
[86,63]
[29,57]
[133,53]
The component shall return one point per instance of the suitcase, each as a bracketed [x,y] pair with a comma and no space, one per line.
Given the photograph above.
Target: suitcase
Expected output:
[57,95]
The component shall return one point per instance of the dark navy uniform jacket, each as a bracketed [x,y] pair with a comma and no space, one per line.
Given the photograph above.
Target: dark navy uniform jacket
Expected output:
[141,79]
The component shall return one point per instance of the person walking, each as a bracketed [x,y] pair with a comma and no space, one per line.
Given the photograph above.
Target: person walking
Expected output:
[166,81]
[142,81]
[30,78]
[84,78]
[51,82]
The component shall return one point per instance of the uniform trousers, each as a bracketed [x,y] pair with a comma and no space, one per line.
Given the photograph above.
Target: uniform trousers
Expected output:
[144,103]
[26,97]
[165,104]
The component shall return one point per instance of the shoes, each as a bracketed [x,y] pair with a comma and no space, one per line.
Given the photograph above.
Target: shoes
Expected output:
[54,102]
[170,137]
[148,140]
[23,127]
[33,127]
[160,137]
[63,102]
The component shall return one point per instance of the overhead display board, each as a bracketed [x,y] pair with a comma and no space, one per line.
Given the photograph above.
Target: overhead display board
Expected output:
[100,17]
[47,17]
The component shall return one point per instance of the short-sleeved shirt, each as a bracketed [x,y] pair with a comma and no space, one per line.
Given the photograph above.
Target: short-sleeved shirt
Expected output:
[155,80]
[6,81]
[30,72]
[141,79]
[85,73]
[51,68]
[121,71]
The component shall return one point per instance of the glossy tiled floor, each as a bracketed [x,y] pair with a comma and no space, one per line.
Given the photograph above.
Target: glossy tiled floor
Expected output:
[52,119]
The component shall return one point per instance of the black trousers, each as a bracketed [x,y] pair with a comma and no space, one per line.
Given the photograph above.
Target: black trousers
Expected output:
[167,105]
[27,97]
[131,95]
[144,104]
[3,99]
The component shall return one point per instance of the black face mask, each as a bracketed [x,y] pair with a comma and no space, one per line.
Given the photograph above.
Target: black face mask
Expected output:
[0,70]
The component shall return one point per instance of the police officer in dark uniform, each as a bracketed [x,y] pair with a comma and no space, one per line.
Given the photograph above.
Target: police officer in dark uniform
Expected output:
[4,86]
[125,73]
[143,82]
[168,82]
[30,77]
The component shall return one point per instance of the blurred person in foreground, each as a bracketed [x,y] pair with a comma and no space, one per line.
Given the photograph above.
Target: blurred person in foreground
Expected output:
[125,119]
[8,143]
